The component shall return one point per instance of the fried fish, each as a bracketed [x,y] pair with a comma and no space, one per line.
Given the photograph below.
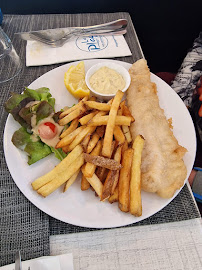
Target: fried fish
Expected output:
[163,168]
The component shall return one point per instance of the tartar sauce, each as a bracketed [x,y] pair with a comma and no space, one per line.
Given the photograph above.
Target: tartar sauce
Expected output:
[107,81]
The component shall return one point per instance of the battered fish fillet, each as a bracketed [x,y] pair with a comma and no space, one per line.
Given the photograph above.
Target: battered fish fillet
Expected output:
[163,168]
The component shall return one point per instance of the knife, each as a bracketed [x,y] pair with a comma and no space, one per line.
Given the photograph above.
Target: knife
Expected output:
[18,263]
[59,33]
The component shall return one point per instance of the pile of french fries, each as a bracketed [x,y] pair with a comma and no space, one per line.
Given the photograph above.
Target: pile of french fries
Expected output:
[98,140]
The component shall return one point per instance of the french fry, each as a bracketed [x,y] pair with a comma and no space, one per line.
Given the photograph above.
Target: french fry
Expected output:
[126,111]
[100,131]
[124,147]
[111,124]
[93,98]
[71,180]
[84,183]
[119,111]
[69,138]
[62,166]
[117,157]
[103,162]
[135,183]
[127,133]
[85,142]
[85,119]
[107,188]
[71,116]
[73,108]
[110,101]
[96,184]
[80,137]
[122,120]
[100,113]
[97,116]
[124,180]
[122,104]
[65,149]
[102,172]
[112,177]
[104,120]
[98,105]
[118,134]
[61,178]
[89,168]
[72,127]
[115,196]
[92,143]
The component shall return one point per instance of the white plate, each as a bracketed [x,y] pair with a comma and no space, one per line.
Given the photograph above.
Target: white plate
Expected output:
[82,208]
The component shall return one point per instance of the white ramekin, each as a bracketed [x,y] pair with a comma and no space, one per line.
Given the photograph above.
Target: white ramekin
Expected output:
[118,68]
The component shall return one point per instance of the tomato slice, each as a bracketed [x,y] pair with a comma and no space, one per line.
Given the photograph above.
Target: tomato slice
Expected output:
[50,125]
[47,130]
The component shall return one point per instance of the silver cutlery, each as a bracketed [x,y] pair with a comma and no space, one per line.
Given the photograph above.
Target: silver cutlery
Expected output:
[18,263]
[57,37]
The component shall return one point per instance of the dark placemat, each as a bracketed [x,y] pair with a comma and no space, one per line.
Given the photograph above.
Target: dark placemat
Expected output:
[181,208]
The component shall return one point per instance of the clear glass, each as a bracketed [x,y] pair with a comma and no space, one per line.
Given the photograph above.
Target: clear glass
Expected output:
[8,59]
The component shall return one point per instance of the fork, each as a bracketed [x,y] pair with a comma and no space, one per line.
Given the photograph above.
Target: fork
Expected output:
[18,263]
[117,27]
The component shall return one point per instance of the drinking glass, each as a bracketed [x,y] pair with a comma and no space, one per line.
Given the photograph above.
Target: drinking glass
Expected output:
[10,64]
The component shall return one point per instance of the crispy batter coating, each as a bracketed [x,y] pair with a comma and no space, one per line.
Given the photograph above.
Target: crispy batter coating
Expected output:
[163,168]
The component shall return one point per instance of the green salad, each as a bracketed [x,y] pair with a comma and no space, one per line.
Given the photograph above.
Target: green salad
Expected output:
[34,111]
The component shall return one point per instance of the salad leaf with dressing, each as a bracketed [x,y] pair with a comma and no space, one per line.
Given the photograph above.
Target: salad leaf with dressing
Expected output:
[28,109]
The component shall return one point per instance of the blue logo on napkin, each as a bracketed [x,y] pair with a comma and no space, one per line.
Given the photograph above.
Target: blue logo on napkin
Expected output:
[92,43]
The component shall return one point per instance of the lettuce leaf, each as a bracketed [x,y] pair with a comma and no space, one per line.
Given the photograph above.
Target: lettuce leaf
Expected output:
[16,113]
[36,151]
[41,94]
[14,101]
[43,110]
[59,153]
[20,138]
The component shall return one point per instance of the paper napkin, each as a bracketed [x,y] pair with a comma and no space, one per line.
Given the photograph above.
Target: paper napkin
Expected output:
[38,54]
[60,262]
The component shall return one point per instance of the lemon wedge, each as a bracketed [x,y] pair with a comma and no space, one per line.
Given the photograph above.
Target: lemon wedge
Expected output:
[74,81]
